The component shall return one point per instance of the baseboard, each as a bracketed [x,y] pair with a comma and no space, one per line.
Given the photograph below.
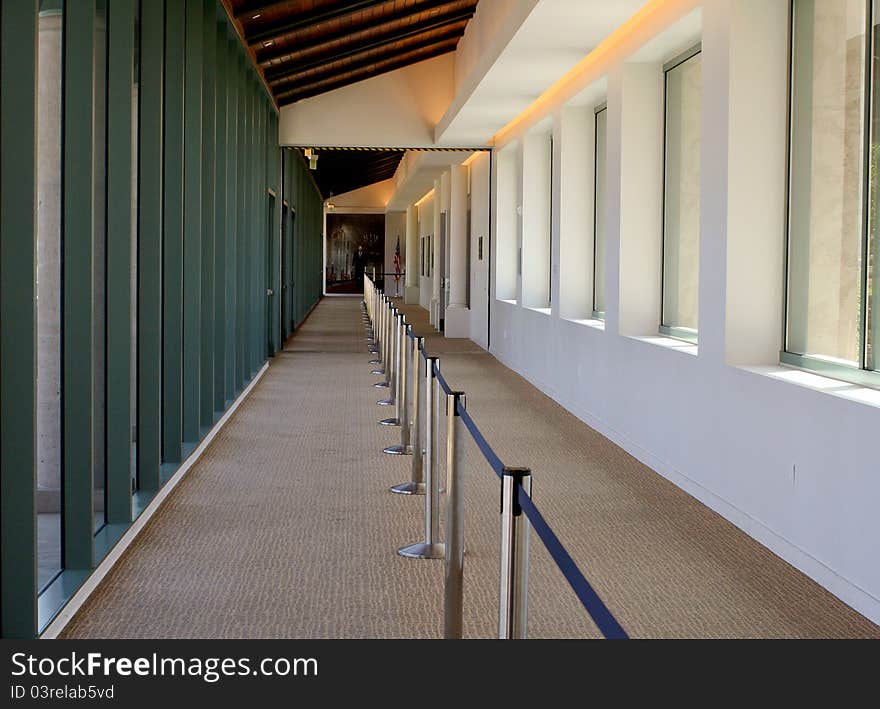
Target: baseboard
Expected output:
[850,593]
[53,630]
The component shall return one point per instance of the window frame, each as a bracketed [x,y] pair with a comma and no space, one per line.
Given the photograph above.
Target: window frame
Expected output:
[599,108]
[858,374]
[674,331]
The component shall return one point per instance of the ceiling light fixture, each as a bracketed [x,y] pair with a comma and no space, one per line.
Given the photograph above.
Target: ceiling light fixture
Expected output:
[257,16]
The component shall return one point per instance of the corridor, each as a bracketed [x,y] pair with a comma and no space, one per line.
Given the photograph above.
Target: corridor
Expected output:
[285,527]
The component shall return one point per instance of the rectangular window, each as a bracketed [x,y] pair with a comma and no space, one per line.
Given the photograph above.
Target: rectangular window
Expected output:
[601,132]
[681,204]
[831,320]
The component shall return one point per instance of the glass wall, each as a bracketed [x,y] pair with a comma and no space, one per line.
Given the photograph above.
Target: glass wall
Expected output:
[599,187]
[827,181]
[49,101]
[681,233]
[84,145]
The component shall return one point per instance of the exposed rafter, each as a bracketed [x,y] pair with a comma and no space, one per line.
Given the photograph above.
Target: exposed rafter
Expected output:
[306,91]
[265,55]
[331,66]
[311,18]
[457,20]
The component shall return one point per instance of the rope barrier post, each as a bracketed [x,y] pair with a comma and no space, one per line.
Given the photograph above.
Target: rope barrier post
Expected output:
[415,486]
[379,334]
[377,330]
[513,601]
[453,597]
[404,384]
[382,336]
[431,548]
[388,354]
[392,362]
[399,381]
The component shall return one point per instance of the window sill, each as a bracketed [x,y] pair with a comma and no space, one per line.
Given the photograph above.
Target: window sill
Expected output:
[594,323]
[669,343]
[818,382]
[543,311]
[509,301]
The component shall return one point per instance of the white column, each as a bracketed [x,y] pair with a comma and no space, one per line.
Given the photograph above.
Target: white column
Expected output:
[457,314]
[437,272]
[411,292]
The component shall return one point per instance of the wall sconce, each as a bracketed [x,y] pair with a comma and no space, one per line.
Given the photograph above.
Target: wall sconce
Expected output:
[313,158]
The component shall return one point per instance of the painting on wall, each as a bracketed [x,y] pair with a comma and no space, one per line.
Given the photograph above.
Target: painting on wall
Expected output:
[355,245]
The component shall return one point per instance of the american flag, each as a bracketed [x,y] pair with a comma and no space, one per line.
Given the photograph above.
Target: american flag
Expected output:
[397,261]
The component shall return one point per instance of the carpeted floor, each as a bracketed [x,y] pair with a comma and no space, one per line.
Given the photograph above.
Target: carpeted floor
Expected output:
[285,528]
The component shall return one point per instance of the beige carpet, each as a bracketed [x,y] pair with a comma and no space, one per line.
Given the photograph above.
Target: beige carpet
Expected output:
[286,528]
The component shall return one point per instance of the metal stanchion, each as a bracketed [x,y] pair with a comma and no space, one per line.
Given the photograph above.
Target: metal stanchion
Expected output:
[405,395]
[383,344]
[387,351]
[399,383]
[453,596]
[415,486]
[392,362]
[432,547]
[377,330]
[513,602]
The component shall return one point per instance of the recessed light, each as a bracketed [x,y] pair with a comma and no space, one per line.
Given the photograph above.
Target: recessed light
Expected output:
[266,44]
[257,16]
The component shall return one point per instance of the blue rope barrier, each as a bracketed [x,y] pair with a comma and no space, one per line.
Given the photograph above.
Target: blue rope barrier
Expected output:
[444,385]
[490,455]
[598,611]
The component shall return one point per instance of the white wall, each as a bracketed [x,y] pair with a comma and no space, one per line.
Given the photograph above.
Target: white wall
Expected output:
[788,457]
[426,227]
[397,109]
[479,275]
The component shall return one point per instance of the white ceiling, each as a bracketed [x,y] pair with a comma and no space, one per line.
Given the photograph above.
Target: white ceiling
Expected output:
[554,37]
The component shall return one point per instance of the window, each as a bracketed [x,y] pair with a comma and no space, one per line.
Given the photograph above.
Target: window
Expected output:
[681,204]
[831,320]
[601,130]
[50,498]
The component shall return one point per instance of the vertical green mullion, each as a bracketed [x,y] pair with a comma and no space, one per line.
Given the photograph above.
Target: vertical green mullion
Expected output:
[258,265]
[249,232]
[120,37]
[209,44]
[78,272]
[172,252]
[220,191]
[275,235]
[232,132]
[192,220]
[18,319]
[241,298]
[150,220]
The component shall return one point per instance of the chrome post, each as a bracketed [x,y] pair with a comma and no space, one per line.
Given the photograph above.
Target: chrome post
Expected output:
[380,336]
[387,349]
[513,601]
[416,485]
[453,596]
[392,361]
[377,332]
[432,547]
[399,383]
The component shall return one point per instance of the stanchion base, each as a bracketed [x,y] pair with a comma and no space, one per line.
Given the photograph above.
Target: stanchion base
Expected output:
[386,402]
[398,450]
[378,370]
[423,551]
[381,385]
[409,488]
[393,421]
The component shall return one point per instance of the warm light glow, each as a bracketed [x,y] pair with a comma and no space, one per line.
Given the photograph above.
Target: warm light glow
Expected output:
[632,34]
[427,196]
[473,157]
[257,16]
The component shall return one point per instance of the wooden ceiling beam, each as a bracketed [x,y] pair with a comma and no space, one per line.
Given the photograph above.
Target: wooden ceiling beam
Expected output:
[295,22]
[268,54]
[335,53]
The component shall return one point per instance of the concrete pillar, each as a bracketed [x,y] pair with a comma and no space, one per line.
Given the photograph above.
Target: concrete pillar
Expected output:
[49,262]
[457,312]
[411,293]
